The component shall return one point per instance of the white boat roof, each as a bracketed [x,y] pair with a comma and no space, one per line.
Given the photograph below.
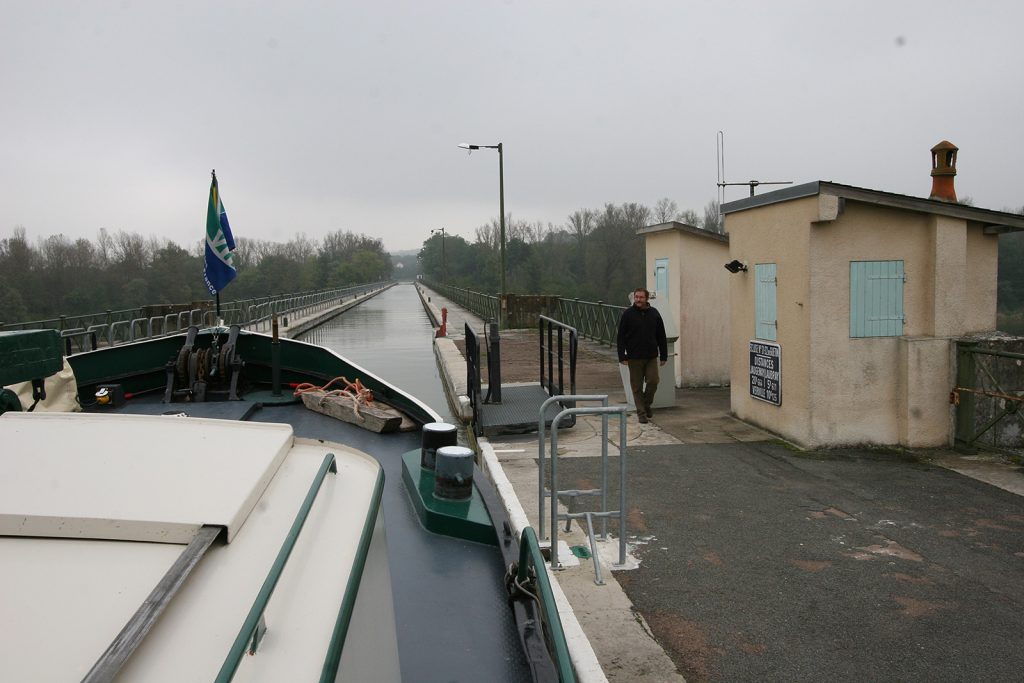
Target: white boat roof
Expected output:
[132,477]
[79,492]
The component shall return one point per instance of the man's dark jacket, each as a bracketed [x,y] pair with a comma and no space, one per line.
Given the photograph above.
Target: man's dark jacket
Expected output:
[642,334]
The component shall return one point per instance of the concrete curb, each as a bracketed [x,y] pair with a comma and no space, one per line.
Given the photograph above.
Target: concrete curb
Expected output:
[433,312]
[449,359]
[301,325]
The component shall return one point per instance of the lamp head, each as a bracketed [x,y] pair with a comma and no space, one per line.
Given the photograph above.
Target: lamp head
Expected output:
[735,266]
[466,145]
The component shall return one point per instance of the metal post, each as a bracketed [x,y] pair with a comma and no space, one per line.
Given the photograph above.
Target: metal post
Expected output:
[501,204]
[541,431]
[275,359]
[965,378]
[494,364]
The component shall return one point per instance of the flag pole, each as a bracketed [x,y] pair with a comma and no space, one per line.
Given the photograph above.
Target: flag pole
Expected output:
[218,268]
[220,320]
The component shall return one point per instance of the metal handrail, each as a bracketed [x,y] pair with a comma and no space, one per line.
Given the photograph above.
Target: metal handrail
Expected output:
[542,435]
[486,306]
[605,513]
[133,324]
[86,320]
[549,325]
[248,637]
[594,320]
[473,381]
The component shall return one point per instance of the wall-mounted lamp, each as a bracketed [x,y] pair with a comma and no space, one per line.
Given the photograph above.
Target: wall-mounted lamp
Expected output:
[735,266]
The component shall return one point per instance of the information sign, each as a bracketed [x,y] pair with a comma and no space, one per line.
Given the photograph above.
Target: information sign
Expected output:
[766,372]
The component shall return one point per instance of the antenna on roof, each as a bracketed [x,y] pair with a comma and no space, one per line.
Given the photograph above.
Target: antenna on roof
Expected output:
[721,174]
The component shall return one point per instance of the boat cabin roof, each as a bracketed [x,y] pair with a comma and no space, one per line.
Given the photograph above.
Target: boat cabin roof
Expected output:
[132,477]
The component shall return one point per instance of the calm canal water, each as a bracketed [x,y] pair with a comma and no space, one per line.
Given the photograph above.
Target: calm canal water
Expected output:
[391,336]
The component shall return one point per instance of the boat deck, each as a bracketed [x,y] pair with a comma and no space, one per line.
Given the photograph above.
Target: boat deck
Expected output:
[437,580]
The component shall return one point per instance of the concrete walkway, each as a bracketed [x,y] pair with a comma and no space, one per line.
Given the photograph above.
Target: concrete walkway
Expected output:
[758,561]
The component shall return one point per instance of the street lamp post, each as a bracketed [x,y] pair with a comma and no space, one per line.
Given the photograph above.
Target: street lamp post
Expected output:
[444,261]
[501,198]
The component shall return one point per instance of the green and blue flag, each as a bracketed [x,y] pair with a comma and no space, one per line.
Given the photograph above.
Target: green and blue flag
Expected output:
[220,244]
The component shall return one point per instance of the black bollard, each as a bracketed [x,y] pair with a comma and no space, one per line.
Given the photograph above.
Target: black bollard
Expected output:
[453,474]
[435,435]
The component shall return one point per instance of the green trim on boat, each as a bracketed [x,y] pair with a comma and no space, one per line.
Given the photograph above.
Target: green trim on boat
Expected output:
[247,635]
[461,519]
[355,577]
[530,556]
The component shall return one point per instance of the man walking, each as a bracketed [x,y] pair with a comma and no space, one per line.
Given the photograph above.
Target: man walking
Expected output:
[641,342]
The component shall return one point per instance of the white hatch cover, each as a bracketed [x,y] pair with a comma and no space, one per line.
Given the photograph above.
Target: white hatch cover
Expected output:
[132,477]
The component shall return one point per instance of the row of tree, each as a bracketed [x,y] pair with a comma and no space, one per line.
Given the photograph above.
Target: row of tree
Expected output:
[595,255]
[58,276]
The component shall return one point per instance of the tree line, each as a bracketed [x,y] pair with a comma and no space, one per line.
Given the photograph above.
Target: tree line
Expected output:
[118,270]
[595,255]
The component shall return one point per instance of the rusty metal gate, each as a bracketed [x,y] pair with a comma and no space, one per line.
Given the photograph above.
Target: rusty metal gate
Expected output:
[989,396]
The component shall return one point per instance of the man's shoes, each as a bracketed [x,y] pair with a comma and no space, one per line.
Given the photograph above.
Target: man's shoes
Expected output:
[642,417]
[650,413]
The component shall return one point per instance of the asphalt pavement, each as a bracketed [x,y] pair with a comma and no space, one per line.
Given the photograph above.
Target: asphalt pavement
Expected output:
[759,561]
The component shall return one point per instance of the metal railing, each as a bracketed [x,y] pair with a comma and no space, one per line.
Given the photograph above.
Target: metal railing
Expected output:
[257,315]
[487,306]
[71,322]
[594,320]
[110,328]
[473,376]
[574,494]
[556,341]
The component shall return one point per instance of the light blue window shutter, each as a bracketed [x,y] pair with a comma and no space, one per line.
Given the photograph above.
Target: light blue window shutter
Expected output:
[661,277]
[764,298]
[876,298]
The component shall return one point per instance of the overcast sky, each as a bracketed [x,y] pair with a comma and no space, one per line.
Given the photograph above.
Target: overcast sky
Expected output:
[320,116]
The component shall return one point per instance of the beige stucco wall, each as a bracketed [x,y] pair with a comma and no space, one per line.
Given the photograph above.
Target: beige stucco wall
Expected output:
[698,301]
[854,386]
[982,276]
[842,390]
[925,376]
[777,233]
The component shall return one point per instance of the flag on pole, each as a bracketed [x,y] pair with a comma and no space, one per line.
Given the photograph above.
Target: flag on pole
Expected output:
[219,270]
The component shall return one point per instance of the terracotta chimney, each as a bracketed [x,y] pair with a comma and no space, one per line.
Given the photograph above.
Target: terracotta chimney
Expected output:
[943,171]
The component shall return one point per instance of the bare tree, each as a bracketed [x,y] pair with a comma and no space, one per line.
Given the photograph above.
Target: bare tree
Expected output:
[636,215]
[489,233]
[712,221]
[666,210]
[690,217]
[581,223]
[105,247]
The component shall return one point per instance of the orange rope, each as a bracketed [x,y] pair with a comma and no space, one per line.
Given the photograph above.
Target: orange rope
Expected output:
[353,391]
